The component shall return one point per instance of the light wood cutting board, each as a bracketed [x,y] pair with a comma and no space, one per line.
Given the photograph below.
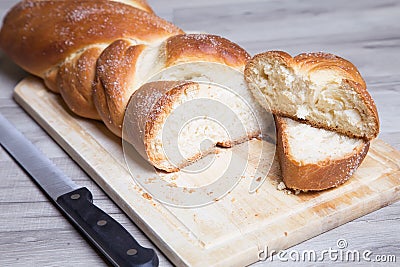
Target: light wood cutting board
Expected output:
[233,230]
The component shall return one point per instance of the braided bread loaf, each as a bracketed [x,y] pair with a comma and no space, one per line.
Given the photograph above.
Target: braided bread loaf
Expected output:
[96,54]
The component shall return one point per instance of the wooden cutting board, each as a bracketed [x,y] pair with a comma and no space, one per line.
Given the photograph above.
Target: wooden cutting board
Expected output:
[234,230]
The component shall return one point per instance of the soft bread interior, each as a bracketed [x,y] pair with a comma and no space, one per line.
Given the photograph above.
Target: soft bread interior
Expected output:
[322,98]
[310,145]
[316,159]
[202,117]
[227,77]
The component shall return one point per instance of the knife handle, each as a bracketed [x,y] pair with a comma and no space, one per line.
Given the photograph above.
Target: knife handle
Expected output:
[104,232]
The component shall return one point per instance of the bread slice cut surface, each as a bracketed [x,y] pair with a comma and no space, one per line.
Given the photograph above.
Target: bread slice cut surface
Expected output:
[316,159]
[320,89]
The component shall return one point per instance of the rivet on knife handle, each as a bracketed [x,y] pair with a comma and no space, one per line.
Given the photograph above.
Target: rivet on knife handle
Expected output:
[106,233]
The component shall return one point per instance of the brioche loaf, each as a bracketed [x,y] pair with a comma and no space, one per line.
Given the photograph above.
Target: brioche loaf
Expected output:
[321,89]
[96,54]
[316,159]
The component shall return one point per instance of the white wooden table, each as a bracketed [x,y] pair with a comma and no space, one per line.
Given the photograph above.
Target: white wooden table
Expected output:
[34,233]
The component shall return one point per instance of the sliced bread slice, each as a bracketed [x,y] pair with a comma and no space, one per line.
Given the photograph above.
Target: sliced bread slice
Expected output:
[316,159]
[174,123]
[320,89]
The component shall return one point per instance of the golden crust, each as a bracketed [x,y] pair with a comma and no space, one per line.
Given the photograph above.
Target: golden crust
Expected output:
[115,73]
[322,175]
[308,63]
[50,80]
[71,26]
[204,47]
[75,80]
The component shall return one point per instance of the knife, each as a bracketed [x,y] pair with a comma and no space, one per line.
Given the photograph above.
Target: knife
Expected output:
[110,237]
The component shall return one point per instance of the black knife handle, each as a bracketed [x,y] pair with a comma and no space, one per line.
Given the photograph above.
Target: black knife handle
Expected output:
[104,232]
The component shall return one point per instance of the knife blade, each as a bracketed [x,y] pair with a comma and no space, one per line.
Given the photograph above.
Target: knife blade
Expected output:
[76,202]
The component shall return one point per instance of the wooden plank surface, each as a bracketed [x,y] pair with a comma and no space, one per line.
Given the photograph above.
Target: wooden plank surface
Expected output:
[32,231]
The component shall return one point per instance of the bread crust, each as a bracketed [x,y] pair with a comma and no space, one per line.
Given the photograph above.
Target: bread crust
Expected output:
[115,73]
[205,47]
[312,62]
[74,81]
[308,63]
[71,26]
[322,175]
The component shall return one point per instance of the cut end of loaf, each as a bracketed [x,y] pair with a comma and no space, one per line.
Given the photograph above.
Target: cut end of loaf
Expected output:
[198,118]
[316,159]
[323,91]
[228,87]
[184,121]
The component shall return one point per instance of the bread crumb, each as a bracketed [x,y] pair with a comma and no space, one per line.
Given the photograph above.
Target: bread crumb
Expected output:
[281,186]
[147,196]
[172,184]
